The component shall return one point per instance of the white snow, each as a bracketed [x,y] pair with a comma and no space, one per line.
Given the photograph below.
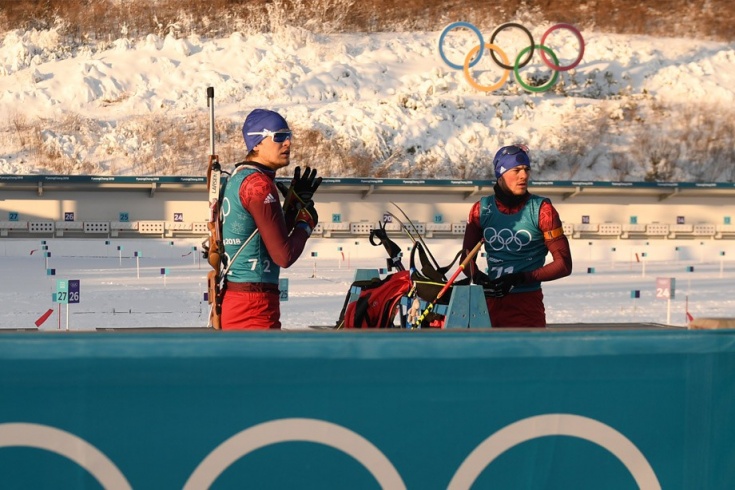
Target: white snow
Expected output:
[120,291]
[102,108]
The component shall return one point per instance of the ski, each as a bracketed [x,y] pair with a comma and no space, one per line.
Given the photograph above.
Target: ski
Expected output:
[404,227]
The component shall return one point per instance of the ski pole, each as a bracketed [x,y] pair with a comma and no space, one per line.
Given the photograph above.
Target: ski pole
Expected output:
[404,228]
[467,260]
[436,264]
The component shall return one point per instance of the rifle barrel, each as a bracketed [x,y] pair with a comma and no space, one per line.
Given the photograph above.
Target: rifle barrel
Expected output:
[210,104]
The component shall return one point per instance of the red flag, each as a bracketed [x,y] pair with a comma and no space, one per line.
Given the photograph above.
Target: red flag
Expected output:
[44,317]
[689,317]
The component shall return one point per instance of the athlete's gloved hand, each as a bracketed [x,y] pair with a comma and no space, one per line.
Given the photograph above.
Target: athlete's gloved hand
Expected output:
[307,217]
[283,188]
[497,288]
[302,188]
[480,278]
[306,184]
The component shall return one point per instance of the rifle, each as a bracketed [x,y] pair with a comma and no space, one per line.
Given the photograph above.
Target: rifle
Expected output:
[214,248]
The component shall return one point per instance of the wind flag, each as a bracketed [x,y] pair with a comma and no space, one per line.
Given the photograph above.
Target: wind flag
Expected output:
[44,317]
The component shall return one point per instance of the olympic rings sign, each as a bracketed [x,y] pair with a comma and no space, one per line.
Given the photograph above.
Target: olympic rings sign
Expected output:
[523,58]
[333,435]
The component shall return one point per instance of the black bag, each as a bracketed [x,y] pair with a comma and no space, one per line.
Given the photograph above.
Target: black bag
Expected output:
[428,279]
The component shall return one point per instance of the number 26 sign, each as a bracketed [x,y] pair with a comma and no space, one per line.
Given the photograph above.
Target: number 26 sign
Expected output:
[67,291]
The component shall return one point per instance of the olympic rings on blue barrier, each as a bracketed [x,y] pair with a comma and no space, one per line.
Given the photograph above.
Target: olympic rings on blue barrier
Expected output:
[345,440]
[503,62]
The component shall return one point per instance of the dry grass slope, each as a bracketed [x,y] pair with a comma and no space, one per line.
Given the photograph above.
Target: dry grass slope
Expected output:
[102,19]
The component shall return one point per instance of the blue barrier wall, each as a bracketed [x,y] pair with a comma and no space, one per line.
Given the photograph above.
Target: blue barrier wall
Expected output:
[565,409]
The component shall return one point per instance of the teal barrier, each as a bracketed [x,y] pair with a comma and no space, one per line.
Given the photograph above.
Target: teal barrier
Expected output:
[398,409]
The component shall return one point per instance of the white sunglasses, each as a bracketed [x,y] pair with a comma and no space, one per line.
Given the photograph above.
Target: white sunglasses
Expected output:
[276,136]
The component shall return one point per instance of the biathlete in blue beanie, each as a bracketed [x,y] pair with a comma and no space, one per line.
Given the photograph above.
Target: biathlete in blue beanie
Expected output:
[519,229]
[260,235]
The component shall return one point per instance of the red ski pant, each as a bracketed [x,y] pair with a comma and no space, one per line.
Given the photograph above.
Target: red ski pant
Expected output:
[518,310]
[251,310]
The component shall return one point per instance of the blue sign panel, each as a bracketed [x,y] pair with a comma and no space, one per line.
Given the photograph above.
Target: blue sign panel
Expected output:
[74,291]
[646,409]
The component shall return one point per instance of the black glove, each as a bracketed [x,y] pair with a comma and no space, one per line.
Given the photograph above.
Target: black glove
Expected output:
[307,217]
[497,288]
[305,185]
[283,188]
[312,211]
[301,190]
[480,278]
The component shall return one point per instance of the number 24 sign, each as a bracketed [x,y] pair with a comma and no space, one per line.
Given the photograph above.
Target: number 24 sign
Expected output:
[665,287]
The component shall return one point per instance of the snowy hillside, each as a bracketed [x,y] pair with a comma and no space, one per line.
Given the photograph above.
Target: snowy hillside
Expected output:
[635,108]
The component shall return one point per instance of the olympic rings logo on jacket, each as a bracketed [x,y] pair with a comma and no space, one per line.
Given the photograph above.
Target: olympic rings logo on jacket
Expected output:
[506,239]
[523,58]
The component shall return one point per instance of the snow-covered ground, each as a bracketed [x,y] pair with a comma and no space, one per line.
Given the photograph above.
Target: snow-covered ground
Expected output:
[636,107]
[121,291]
